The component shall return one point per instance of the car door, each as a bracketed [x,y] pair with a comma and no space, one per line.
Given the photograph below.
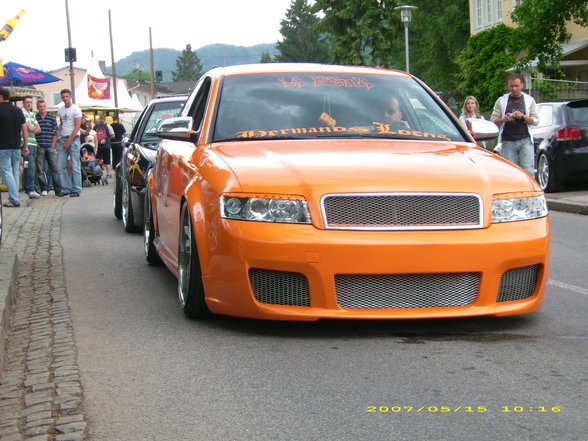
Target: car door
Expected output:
[175,170]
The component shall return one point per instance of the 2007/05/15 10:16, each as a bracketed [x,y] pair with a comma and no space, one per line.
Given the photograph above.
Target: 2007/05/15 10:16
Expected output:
[466,409]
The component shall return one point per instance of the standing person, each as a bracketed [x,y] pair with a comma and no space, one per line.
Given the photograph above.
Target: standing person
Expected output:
[30,175]
[85,128]
[13,126]
[116,143]
[515,113]
[68,145]
[470,109]
[104,135]
[46,152]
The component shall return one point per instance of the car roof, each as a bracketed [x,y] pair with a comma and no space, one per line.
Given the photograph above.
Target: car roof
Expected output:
[583,101]
[246,69]
[169,98]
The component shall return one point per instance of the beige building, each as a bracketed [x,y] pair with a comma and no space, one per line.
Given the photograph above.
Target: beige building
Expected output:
[141,89]
[484,14]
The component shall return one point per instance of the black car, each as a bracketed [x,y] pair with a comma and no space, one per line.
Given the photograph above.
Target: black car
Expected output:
[561,143]
[137,158]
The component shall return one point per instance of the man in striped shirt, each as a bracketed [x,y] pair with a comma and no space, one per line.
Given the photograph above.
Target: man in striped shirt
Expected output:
[46,140]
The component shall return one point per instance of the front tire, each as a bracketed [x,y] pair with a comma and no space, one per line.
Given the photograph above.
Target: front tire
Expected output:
[149,233]
[127,209]
[190,286]
[546,175]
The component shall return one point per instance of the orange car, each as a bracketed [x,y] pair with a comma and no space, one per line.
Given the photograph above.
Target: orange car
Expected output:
[301,192]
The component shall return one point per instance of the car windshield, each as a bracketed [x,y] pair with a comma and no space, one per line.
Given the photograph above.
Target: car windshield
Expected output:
[161,111]
[318,105]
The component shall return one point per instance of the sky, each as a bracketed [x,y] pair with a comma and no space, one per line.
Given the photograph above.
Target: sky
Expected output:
[40,36]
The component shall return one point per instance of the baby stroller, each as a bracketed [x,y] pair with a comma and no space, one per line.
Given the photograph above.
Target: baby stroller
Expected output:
[91,168]
[92,173]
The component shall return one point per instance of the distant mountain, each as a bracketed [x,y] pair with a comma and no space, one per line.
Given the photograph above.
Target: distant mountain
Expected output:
[212,55]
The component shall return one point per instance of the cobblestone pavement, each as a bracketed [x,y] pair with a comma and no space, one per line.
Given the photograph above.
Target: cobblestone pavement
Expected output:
[40,389]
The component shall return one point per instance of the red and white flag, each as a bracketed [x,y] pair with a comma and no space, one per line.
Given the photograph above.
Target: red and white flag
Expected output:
[98,88]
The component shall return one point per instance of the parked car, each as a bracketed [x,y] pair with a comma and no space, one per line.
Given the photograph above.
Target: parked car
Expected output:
[302,191]
[561,141]
[137,158]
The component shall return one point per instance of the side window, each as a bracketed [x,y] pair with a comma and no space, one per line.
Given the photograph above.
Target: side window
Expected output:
[161,111]
[545,114]
[199,104]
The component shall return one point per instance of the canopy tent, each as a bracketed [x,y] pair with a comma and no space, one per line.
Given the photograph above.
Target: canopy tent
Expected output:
[125,103]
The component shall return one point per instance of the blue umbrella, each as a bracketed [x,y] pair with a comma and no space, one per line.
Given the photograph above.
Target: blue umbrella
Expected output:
[17,75]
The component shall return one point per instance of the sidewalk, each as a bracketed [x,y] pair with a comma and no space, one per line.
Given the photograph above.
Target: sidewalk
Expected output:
[41,395]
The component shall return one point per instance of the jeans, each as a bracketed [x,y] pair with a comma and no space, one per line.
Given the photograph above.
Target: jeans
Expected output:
[521,152]
[9,168]
[30,171]
[69,184]
[48,155]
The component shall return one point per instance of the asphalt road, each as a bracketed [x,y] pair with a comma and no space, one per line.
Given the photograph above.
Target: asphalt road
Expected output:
[150,374]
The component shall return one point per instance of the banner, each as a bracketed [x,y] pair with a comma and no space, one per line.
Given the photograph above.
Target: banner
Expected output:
[98,88]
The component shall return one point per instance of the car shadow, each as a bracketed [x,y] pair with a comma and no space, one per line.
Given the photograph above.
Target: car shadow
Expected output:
[478,329]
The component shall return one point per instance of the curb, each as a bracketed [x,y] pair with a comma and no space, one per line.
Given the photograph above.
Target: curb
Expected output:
[8,272]
[567,206]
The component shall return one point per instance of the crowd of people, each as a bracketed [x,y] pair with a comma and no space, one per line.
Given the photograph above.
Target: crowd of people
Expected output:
[49,147]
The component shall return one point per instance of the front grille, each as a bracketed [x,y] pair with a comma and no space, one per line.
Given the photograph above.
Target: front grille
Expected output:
[402,211]
[279,287]
[518,283]
[379,291]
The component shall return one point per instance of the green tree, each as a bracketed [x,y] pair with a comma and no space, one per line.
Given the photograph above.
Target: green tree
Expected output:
[484,63]
[188,66]
[266,57]
[542,25]
[360,32]
[370,32]
[301,37]
[439,31]
[138,75]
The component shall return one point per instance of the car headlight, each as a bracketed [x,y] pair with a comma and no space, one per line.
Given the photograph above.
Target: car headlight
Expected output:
[265,208]
[513,207]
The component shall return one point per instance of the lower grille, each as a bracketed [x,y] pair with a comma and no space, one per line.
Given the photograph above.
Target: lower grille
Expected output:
[518,283]
[279,287]
[379,291]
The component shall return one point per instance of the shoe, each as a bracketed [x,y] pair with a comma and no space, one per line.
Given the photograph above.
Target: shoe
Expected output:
[11,204]
[74,195]
[62,194]
[44,193]
[109,176]
[34,195]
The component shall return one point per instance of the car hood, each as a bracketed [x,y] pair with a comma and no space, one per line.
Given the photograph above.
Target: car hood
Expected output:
[324,166]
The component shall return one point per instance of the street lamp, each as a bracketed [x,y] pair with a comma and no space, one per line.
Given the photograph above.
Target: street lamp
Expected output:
[405,16]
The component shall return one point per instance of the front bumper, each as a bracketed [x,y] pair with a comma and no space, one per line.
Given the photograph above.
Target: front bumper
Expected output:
[237,251]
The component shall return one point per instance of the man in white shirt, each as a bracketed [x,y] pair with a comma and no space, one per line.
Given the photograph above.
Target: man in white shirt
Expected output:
[68,145]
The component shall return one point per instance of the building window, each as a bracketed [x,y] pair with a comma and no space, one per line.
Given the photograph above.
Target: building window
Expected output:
[55,98]
[488,13]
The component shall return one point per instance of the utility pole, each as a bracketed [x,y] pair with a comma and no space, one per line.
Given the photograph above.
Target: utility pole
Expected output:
[152,68]
[112,61]
[71,70]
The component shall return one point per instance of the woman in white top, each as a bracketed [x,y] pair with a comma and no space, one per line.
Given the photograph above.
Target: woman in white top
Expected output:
[471,109]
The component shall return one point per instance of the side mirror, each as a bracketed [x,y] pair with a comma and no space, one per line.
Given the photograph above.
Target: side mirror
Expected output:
[176,128]
[125,142]
[482,129]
